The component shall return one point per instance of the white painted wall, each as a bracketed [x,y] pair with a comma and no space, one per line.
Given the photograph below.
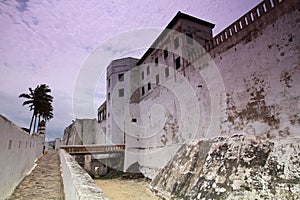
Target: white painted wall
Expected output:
[18,152]
[84,131]
[78,185]
[250,85]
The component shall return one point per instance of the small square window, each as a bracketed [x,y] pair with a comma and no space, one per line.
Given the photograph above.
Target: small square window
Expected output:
[177,62]
[149,86]
[176,43]
[134,120]
[157,79]
[121,92]
[121,77]
[166,52]
[167,72]
[156,61]
[189,38]
[148,70]
[143,76]
[143,90]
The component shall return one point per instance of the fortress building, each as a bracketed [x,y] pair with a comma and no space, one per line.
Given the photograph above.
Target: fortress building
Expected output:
[191,85]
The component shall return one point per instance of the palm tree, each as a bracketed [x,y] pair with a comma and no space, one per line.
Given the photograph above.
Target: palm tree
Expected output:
[40,103]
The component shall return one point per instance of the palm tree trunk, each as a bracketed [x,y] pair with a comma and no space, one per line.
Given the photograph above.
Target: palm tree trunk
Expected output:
[31,123]
[38,125]
[34,126]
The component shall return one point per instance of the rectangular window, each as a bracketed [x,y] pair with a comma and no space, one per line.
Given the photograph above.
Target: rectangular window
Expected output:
[189,38]
[9,144]
[121,77]
[149,86]
[166,52]
[143,76]
[143,90]
[134,120]
[177,63]
[176,43]
[156,61]
[121,92]
[157,79]
[108,82]
[148,70]
[108,96]
[167,72]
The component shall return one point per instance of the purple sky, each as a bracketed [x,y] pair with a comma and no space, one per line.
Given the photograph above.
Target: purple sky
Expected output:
[47,42]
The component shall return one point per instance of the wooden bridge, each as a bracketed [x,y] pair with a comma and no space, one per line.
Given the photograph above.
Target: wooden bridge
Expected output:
[93,149]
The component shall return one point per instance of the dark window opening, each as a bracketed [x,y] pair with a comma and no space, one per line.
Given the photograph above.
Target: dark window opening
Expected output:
[108,82]
[167,72]
[189,38]
[177,63]
[134,120]
[166,53]
[156,61]
[176,43]
[121,77]
[121,92]
[108,96]
[143,90]
[149,86]
[157,79]
[148,70]
[143,76]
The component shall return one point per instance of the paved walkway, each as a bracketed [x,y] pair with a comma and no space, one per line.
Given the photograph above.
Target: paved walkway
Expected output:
[44,182]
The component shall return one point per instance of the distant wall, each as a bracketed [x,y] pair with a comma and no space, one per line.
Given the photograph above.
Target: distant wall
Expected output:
[18,151]
[77,183]
[84,131]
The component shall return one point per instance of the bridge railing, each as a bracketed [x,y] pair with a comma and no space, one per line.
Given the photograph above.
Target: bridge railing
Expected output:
[73,149]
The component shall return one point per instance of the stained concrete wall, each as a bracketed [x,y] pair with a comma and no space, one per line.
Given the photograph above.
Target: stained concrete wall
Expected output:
[18,152]
[78,185]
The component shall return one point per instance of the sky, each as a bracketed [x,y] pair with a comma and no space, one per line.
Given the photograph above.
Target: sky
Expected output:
[49,41]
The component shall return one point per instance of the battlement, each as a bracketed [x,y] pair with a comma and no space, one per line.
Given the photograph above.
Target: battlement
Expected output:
[257,18]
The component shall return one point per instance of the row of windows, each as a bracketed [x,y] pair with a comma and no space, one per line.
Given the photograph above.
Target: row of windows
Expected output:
[189,39]
[10,142]
[177,66]
[157,80]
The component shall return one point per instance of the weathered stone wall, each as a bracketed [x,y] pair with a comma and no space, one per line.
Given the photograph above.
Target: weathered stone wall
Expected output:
[18,152]
[233,167]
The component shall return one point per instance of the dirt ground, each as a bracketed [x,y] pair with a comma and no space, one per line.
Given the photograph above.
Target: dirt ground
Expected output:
[118,189]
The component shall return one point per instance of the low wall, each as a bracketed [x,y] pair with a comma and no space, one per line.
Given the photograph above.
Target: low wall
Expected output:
[77,183]
[18,152]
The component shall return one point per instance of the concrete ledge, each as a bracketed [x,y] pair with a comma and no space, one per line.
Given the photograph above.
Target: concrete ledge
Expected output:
[78,185]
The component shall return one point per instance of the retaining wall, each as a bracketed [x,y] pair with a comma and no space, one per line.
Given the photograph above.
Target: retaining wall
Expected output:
[18,152]
[78,185]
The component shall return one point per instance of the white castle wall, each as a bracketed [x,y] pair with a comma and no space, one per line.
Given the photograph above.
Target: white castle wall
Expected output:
[249,86]
[18,152]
